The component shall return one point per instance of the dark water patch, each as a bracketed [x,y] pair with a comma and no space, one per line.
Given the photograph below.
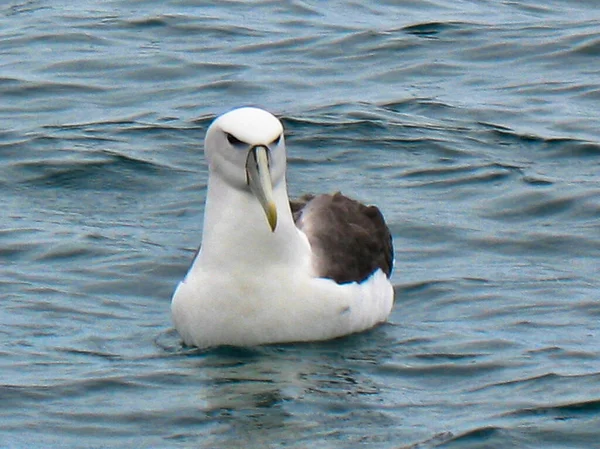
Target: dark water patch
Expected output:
[532,205]
[430,30]
[418,105]
[573,149]
[540,384]
[331,124]
[66,251]
[13,252]
[17,242]
[563,411]
[546,146]
[24,7]
[104,125]
[431,239]
[572,434]
[483,437]
[21,89]
[86,386]
[508,136]
[232,87]
[448,357]
[168,23]
[430,442]
[437,372]
[556,352]
[548,89]
[423,290]
[550,147]
[304,161]
[234,354]
[589,48]
[590,308]
[460,175]
[591,93]
[146,139]
[153,131]
[16,396]
[86,353]
[481,178]
[217,30]
[167,70]
[218,68]
[151,22]
[44,40]
[50,308]
[106,171]
[85,67]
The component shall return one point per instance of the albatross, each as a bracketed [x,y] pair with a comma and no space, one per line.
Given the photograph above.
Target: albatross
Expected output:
[273,271]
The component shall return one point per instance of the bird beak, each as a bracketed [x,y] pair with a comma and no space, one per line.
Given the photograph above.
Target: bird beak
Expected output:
[258,178]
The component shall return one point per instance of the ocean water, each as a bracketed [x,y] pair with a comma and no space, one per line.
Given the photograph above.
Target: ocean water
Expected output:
[473,125]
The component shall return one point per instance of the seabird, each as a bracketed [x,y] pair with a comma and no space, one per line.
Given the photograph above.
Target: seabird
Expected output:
[274,271]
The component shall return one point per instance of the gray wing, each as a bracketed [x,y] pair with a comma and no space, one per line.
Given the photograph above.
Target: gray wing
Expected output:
[349,240]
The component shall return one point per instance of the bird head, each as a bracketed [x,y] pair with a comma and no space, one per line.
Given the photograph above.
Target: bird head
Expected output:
[246,148]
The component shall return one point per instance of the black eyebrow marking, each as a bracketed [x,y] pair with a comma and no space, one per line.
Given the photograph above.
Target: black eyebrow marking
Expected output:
[233,140]
[276,140]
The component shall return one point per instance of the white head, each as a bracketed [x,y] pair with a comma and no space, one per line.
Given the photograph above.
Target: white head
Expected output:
[246,148]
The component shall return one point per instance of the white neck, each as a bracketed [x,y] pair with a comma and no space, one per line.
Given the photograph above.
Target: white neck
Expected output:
[237,234]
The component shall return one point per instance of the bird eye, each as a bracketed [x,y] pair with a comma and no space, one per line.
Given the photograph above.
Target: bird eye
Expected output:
[233,140]
[276,141]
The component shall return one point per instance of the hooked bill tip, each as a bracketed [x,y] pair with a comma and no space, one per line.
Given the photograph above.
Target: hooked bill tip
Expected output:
[271,211]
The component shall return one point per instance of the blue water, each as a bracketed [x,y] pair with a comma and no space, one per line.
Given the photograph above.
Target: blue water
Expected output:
[472,124]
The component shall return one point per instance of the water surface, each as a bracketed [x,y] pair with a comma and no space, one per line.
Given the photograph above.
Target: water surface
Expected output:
[472,125]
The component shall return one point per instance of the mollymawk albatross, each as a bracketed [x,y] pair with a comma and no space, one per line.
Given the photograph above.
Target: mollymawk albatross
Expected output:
[270,270]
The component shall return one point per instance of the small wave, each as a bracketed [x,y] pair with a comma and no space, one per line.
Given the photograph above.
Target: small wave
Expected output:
[562,411]
[460,175]
[151,22]
[16,395]
[62,37]
[540,244]
[17,87]
[67,251]
[542,204]
[569,148]
[441,367]
[84,175]
[589,48]
[430,30]
[480,437]
[417,104]
[100,170]
[551,147]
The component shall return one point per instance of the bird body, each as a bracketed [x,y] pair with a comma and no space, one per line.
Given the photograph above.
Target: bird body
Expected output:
[261,275]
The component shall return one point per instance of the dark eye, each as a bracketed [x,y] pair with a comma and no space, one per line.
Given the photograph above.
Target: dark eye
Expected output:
[233,140]
[276,141]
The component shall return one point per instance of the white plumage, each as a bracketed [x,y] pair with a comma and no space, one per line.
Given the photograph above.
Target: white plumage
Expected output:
[257,277]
